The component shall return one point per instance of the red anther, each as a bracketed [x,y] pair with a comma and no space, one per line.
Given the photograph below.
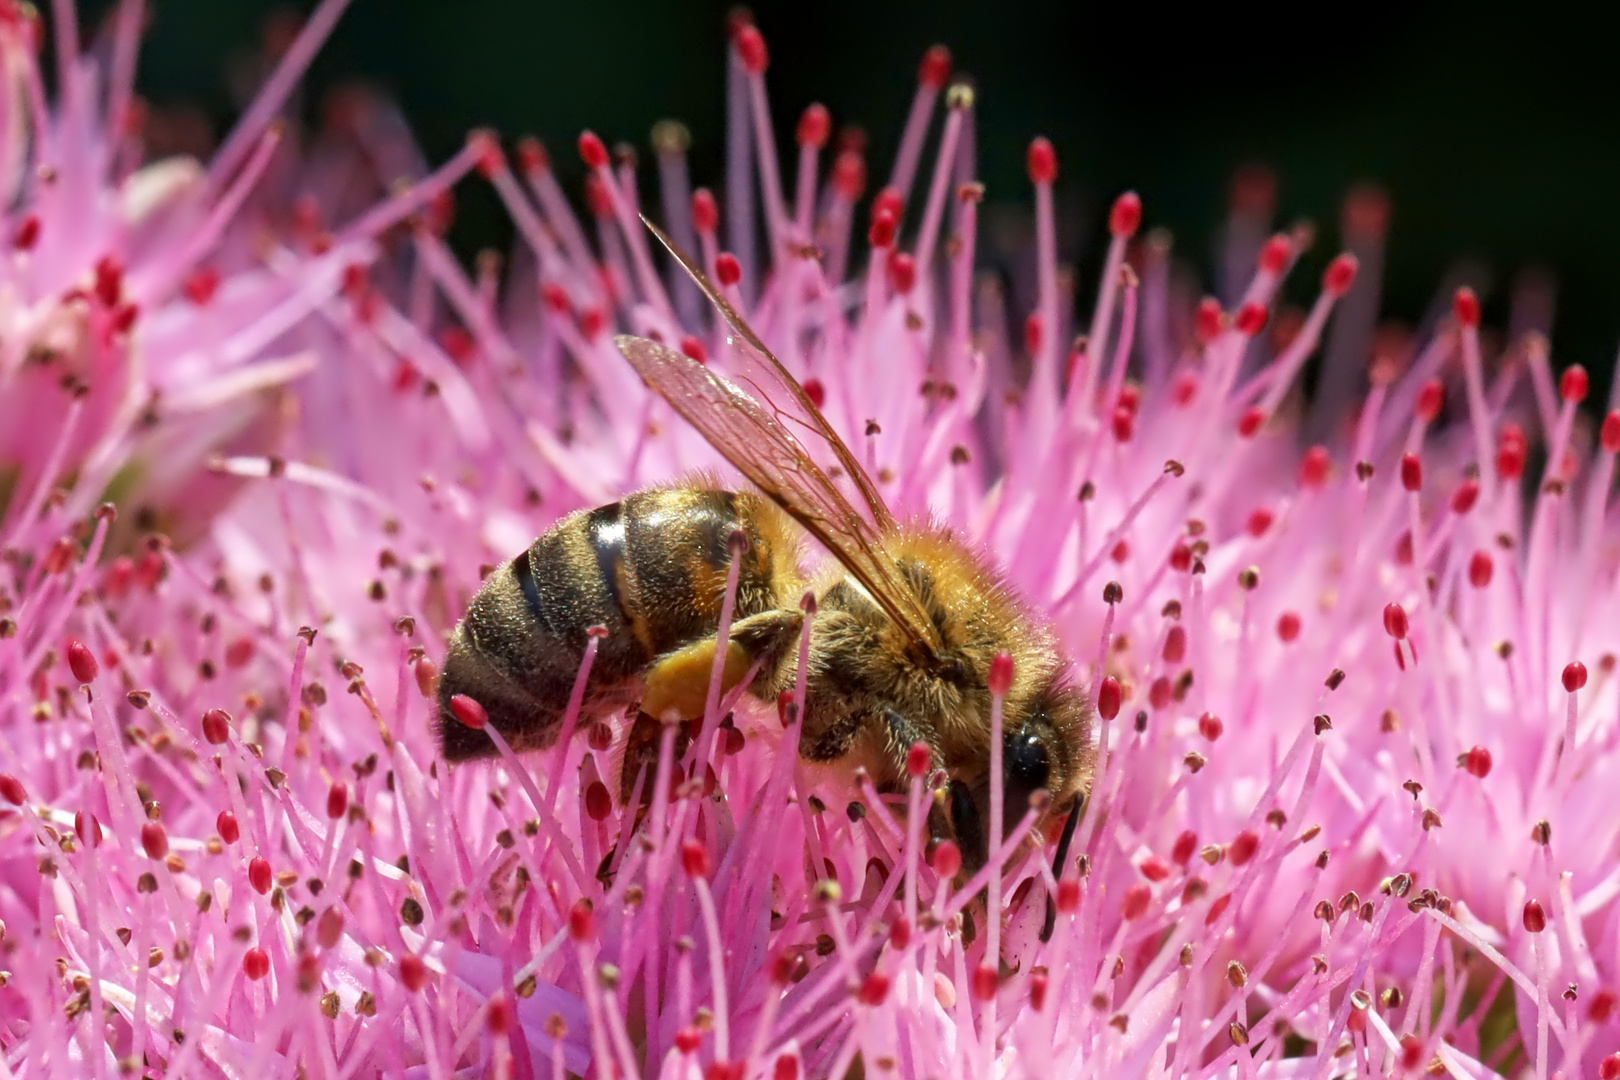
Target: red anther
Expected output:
[1068,896]
[1208,320]
[413,972]
[216,726]
[935,69]
[259,874]
[1313,468]
[732,741]
[1126,216]
[1210,727]
[109,281]
[751,49]
[692,347]
[1181,558]
[201,284]
[533,157]
[123,317]
[900,933]
[1260,522]
[591,150]
[946,860]
[1217,909]
[256,964]
[1411,1052]
[1122,550]
[12,790]
[582,921]
[1034,332]
[354,280]
[469,712]
[1135,902]
[1108,698]
[1463,499]
[1574,676]
[849,175]
[727,269]
[1431,399]
[1478,762]
[984,982]
[1184,387]
[890,201]
[229,831]
[816,391]
[1535,917]
[705,211]
[1160,692]
[815,124]
[490,159]
[1340,274]
[120,573]
[337,800]
[598,803]
[688,1039]
[1124,425]
[1287,627]
[154,839]
[782,966]
[82,662]
[1610,434]
[1037,990]
[1154,868]
[1243,847]
[1511,450]
[1572,386]
[1250,421]
[1599,1011]
[87,828]
[27,234]
[1609,1067]
[695,859]
[1175,644]
[499,1018]
[1480,569]
[427,677]
[786,1068]
[881,234]
[1395,624]
[1411,472]
[1275,253]
[458,344]
[1356,1022]
[556,298]
[1041,160]
[1251,318]
[1465,305]
[239,652]
[874,989]
[1184,847]
[1130,397]
[919,759]
[902,272]
[592,321]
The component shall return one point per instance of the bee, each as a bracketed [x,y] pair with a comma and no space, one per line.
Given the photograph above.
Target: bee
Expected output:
[905,624]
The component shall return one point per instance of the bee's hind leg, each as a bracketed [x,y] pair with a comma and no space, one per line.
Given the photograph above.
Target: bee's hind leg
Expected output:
[677,685]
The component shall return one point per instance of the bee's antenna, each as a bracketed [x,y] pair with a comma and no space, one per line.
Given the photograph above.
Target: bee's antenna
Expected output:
[1058,861]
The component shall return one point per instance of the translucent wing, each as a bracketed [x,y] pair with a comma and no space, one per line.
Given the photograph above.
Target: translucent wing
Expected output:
[761,440]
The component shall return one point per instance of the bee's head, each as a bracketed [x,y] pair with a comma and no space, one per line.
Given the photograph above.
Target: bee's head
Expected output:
[1045,760]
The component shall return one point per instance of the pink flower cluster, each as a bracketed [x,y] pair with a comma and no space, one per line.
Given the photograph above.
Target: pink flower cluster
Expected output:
[1357,706]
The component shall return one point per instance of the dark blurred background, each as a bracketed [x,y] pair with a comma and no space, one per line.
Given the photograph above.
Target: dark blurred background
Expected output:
[1492,130]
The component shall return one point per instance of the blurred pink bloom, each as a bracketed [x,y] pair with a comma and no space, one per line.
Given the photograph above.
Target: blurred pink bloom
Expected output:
[1351,809]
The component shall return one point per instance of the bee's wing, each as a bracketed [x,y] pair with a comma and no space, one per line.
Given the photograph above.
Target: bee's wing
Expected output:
[759,438]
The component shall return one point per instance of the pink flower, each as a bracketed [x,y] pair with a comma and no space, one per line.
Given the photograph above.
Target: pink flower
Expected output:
[1350,791]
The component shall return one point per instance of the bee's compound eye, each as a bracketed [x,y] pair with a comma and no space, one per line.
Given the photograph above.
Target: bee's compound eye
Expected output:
[1025,770]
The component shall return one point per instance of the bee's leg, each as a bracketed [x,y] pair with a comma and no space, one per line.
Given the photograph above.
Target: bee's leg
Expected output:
[677,686]
[770,639]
